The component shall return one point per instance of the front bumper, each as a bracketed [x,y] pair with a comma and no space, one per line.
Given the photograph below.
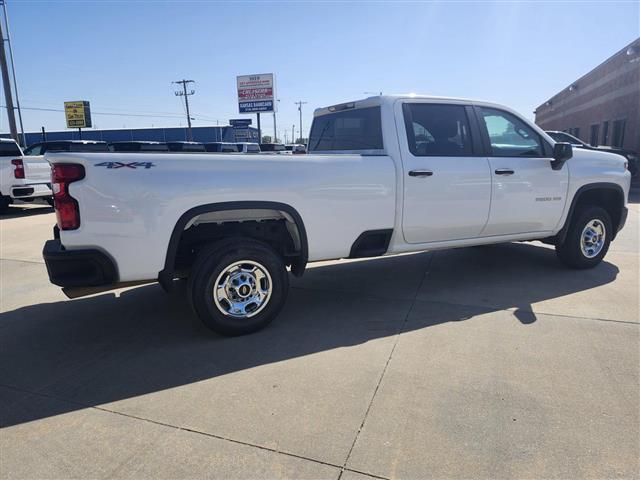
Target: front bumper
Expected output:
[78,268]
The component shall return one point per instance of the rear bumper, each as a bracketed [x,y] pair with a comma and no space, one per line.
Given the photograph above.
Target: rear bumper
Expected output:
[78,268]
[31,190]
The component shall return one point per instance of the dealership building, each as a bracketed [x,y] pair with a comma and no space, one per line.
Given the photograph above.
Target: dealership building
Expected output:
[601,107]
[216,133]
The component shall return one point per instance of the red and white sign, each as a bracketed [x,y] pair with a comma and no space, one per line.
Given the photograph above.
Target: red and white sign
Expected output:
[256,93]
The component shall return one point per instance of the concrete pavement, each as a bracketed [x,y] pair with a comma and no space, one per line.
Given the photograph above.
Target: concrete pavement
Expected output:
[492,362]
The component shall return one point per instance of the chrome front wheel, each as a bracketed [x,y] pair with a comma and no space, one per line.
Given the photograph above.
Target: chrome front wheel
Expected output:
[593,238]
[587,239]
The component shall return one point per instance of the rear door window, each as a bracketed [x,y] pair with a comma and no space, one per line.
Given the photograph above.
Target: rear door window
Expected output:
[9,149]
[356,129]
[435,130]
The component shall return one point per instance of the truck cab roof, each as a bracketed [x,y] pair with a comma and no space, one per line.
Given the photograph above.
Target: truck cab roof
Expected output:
[389,100]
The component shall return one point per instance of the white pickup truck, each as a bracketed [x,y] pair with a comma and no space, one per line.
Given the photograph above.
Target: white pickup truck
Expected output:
[384,175]
[22,178]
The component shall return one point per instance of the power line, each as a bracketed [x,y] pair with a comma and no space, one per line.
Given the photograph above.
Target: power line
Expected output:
[186,94]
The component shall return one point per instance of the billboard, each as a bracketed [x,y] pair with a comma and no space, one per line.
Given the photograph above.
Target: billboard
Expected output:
[256,93]
[78,114]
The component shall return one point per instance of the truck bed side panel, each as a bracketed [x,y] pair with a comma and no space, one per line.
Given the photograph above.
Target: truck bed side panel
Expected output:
[130,212]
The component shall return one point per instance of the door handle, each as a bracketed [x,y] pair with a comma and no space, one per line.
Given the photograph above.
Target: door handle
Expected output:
[420,173]
[504,171]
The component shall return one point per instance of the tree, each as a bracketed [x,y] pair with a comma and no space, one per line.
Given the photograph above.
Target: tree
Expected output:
[266,139]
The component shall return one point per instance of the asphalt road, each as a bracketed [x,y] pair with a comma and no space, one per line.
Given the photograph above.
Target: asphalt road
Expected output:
[493,362]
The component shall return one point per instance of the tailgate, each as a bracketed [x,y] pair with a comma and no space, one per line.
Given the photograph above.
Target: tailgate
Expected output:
[36,169]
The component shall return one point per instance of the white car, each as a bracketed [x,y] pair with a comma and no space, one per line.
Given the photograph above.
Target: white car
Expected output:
[248,147]
[384,175]
[22,178]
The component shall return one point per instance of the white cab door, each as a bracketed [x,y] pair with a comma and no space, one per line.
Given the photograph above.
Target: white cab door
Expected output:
[527,194]
[447,181]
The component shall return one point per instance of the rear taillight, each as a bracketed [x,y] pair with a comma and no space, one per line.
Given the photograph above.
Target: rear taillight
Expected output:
[67,210]
[18,168]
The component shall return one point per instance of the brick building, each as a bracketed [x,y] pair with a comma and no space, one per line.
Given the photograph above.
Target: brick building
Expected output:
[601,107]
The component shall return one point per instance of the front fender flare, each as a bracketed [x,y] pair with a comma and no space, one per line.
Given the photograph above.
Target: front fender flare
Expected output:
[562,233]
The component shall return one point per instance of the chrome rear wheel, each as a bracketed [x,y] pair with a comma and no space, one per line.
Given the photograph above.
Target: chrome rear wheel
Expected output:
[242,289]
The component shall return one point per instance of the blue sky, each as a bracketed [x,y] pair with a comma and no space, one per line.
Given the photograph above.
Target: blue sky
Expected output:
[122,56]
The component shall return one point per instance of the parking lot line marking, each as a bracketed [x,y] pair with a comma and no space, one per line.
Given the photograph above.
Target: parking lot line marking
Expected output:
[386,365]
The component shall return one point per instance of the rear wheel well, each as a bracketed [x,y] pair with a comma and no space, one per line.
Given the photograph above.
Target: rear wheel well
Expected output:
[271,232]
[275,224]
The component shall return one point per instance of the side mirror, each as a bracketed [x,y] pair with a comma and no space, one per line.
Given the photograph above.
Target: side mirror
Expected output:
[561,153]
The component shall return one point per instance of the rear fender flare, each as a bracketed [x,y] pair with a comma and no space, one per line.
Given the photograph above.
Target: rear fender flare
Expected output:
[165,276]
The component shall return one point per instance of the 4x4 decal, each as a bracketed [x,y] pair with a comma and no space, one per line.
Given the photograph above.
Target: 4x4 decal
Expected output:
[123,165]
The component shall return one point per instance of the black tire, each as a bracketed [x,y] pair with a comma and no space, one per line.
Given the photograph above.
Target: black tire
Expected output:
[4,203]
[213,262]
[571,251]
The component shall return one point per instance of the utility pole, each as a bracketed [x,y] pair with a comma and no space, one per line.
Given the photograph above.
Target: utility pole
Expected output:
[300,103]
[275,130]
[8,96]
[186,94]
[293,133]
[259,128]
[13,72]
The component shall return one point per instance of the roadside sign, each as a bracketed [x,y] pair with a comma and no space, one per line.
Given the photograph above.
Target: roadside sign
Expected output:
[240,122]
[256,93]
[78,114]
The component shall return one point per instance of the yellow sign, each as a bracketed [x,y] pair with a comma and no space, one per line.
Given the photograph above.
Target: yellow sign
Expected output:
[78,114]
